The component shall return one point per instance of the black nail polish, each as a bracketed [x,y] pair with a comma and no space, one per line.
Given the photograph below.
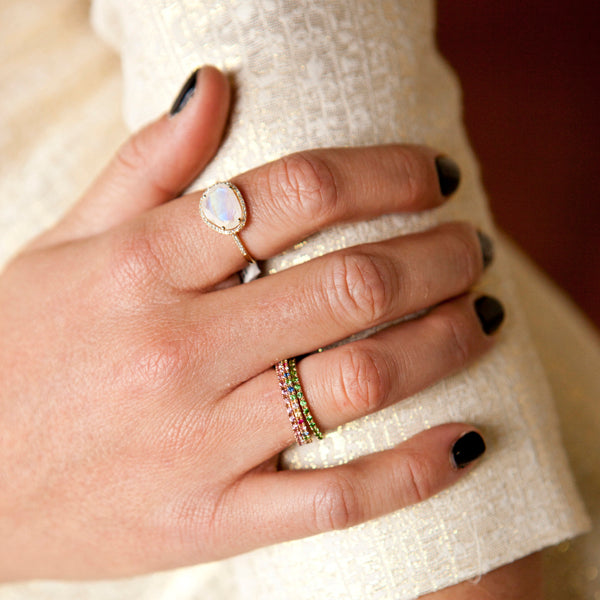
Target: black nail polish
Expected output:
[487,248]
[490,313]
[185,95]
[466,449]
[448,174]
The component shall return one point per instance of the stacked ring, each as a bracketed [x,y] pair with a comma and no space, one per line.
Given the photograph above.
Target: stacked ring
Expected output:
[301,419]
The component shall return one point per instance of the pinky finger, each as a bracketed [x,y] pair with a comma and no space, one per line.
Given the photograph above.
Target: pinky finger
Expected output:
[288,505]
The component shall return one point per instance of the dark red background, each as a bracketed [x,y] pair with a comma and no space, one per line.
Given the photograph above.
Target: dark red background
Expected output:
[531,75]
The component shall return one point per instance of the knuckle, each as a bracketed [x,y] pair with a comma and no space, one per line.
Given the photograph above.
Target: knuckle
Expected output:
[416,478]
[132,156]
[307,184]
[158,366]
[455,337]
[336,505]
[414,174]
[134,261]
[136,156]
[359,287]
[465,251]
[364,381]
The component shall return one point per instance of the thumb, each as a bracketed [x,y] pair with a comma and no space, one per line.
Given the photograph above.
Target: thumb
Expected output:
[157,163]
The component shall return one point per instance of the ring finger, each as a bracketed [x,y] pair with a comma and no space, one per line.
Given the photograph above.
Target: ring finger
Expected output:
[359,378]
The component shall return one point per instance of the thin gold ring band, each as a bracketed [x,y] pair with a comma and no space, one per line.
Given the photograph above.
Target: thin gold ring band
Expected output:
[223,209]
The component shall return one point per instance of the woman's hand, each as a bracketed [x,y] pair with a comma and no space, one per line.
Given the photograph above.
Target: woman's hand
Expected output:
[140,416]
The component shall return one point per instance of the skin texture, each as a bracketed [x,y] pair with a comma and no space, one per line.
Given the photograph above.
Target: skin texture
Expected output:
[128,356]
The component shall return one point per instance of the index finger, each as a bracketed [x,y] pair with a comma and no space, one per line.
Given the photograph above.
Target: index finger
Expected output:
[293,197]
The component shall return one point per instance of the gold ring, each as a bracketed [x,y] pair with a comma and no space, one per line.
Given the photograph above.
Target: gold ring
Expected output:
[223,209]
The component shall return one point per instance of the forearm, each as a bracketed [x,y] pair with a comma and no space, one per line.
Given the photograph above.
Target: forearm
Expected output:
[520,580]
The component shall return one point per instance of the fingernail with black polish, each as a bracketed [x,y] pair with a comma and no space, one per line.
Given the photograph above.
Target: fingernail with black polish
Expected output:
[466,449]
[185,95]
[487,248]
[490,313]
[448,174]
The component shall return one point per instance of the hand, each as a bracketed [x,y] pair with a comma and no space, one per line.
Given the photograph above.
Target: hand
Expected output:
[141,418]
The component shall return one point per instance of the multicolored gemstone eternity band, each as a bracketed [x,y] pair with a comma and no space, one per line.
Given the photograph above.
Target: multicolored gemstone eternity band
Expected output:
[302,421]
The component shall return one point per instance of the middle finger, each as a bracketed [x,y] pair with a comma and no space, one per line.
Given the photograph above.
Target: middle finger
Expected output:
[332,297]
[351,381]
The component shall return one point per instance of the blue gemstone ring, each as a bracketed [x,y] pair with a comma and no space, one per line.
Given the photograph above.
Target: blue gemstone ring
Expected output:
[223,209]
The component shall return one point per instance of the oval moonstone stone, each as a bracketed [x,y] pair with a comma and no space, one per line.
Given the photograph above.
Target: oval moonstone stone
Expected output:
[222,207]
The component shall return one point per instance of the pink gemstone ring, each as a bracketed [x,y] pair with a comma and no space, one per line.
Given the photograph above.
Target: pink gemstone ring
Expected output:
[223,209]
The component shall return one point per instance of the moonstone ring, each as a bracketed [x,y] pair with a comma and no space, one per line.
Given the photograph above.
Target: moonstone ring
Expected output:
[223,209]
